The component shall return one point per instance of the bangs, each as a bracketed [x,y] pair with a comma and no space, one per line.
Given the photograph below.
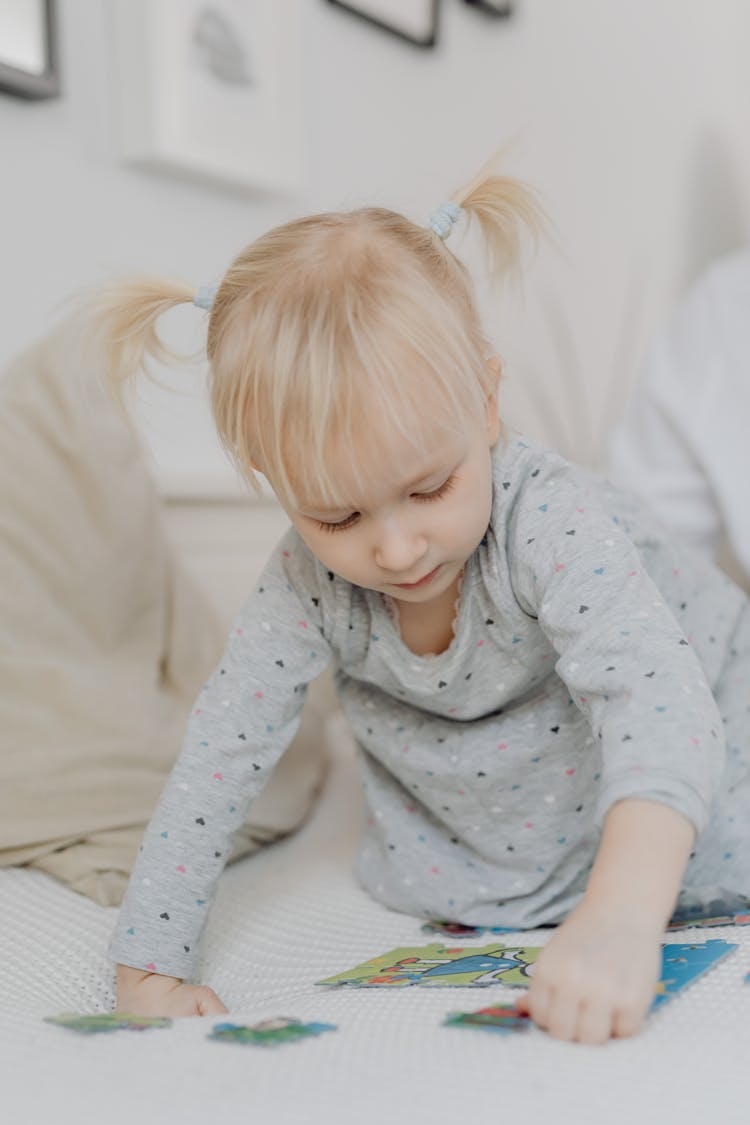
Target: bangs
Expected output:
[362,337]
[360,393]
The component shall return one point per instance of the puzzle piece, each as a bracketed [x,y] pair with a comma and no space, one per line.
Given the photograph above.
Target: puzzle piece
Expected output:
[439,965]
[456,929]
[268,1033]
[443,966]
[707,923]
[107,1021]
[682,964]
[502,1018]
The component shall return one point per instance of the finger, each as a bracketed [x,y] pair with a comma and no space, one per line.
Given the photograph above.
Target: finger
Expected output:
[208,1003]
[595,1023]
[538,1002]
[628,1021]
[522,1003]
[563,1016]
[190,1001]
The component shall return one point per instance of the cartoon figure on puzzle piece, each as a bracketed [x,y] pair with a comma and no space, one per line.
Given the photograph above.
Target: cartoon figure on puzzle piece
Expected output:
[436,965]
[441,966]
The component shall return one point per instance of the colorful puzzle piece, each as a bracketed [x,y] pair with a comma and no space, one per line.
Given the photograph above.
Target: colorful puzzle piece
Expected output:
[502,1018]
[708,923]
[268,1033]
[440,966]
[682,964]
[456,929]
[108,1021]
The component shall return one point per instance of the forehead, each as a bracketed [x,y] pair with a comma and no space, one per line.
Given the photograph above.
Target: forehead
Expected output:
[371,461]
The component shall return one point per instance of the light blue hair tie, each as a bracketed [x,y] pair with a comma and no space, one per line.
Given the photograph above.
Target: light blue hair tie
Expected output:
[204,298]
[442,220]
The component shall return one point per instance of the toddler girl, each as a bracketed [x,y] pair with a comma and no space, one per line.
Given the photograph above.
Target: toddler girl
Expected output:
[549,697]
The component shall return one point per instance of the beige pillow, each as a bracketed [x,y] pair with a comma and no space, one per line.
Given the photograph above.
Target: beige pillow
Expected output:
[104,639]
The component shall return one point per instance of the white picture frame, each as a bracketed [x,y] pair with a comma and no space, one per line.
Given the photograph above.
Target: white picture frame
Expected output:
[211,89]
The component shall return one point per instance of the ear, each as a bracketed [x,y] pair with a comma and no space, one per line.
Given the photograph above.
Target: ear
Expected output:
[493,417]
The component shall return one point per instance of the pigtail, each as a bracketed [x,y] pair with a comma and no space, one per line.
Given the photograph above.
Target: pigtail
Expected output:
[122,316]
[505,209]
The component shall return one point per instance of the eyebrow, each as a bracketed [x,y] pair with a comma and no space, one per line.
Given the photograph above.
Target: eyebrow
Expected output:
[312,510]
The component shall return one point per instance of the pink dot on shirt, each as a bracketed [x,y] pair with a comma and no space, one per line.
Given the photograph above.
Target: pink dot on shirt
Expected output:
[259,695]
[570,772]
[182,869]
[151,967]
[560,566]
[528,824]
[218,777]
[302,624]
[502,745]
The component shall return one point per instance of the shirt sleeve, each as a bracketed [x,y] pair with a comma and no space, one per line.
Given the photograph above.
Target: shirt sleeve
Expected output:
[621,651]
[243,720]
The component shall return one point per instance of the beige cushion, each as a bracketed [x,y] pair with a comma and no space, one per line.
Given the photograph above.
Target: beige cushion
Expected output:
[104,639]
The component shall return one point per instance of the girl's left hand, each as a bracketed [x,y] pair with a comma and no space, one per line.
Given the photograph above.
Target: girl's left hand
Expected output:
[596,977]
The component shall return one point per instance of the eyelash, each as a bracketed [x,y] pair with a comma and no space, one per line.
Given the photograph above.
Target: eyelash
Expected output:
[421,497]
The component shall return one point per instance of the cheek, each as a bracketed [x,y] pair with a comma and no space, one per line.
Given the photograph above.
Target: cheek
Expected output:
[330,548]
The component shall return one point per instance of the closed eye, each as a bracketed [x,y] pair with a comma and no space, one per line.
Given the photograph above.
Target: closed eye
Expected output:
[341,525]
[422,497]
[446,487]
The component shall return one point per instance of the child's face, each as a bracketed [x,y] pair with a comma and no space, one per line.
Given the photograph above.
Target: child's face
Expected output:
[409,531]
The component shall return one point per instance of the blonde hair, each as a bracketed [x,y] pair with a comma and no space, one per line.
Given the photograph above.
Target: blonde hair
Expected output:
[315,325]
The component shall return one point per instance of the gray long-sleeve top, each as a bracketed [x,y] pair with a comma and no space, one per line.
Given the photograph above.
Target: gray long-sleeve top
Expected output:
[587,654]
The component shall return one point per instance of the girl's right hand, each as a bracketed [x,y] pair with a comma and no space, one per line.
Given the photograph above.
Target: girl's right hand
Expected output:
[140,993]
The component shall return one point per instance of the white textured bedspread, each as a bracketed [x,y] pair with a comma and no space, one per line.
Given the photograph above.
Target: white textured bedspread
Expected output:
[283,920]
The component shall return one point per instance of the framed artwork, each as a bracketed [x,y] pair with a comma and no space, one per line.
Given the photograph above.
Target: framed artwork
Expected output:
[493,7]
[29,65]
[210,89]
[412,20]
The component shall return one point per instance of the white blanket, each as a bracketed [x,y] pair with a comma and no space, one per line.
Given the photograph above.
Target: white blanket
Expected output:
[286,918]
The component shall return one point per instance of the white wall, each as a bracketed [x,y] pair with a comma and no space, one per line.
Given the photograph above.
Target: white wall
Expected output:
[631,118]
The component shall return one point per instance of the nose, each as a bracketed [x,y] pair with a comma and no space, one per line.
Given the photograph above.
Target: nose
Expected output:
[399,547]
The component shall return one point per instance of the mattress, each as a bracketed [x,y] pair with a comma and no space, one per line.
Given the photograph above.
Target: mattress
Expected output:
[286,918]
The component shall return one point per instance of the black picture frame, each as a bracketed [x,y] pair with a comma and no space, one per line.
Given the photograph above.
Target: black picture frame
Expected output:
[502,8]
[367,10]
[23,83]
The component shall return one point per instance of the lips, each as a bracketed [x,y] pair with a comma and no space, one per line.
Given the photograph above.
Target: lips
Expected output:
[421,582]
